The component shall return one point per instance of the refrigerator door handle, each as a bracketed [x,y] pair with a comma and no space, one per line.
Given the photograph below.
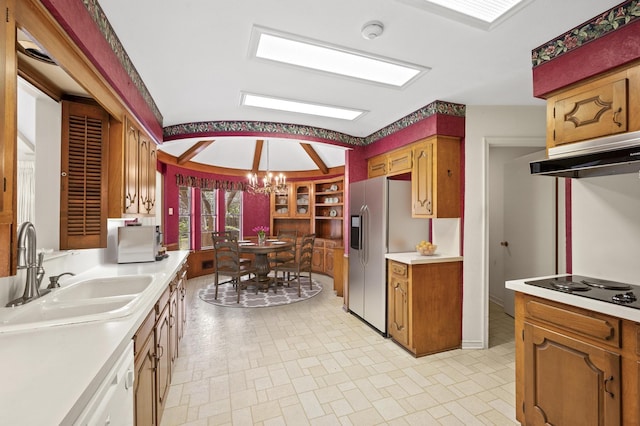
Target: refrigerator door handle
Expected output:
[365,234]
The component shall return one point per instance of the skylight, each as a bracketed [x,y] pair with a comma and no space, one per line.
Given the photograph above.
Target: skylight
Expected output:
[335,60]
[290,105]
[485,14]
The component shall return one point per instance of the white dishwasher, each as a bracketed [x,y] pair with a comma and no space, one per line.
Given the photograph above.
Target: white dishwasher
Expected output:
[112,404]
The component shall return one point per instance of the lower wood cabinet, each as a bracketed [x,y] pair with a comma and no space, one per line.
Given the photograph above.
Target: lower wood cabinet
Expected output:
[323,257]
[145,380]
[156,348]
[568,381]
[575,366]
[425,306]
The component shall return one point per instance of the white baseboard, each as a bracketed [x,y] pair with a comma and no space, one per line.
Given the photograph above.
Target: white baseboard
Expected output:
[472,344]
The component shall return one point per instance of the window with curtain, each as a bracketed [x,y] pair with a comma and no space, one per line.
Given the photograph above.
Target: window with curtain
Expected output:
[233,212]
[184,218]
[208,216]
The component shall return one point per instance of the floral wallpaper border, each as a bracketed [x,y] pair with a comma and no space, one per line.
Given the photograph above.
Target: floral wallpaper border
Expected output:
[256,127]
[597,27]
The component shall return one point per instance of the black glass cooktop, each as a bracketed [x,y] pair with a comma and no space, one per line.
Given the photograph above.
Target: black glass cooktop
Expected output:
[593,288]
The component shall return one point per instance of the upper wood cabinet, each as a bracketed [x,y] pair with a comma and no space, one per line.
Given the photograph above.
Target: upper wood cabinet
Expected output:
[84,176]
[603,106]
[595,112]
[391,163]
[8,138]
[133,159]
[435,178]
[377,166]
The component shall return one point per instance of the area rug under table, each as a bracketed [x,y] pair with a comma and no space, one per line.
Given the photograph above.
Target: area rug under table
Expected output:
[284,295]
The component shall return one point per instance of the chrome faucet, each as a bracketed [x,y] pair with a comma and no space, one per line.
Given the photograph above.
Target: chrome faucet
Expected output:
[27,259]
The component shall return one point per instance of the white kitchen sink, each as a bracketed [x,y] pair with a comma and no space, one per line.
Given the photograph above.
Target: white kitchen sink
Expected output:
[103,287]
[93,299]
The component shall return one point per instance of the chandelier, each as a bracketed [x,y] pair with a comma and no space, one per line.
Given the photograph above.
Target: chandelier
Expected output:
[269,184]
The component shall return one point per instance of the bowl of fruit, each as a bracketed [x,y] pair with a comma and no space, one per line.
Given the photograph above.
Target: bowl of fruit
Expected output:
[425,248]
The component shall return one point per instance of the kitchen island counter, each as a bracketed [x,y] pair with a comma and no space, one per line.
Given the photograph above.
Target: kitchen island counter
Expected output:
[613,309]
[414,258]
[50,373]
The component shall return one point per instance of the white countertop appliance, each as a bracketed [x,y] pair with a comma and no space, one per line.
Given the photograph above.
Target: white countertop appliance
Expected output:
[138,243]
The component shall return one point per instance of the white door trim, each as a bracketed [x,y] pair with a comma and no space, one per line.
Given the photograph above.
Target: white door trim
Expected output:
[487,142]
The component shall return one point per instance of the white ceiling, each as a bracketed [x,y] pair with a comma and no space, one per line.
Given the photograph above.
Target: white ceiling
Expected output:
[194,57]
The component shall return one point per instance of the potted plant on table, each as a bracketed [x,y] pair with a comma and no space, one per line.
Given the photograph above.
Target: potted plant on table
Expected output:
[262,233]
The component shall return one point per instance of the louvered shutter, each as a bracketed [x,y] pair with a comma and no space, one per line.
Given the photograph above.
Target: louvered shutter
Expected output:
[83,204]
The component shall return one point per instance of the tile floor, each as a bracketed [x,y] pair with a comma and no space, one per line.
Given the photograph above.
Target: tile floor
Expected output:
[310,363]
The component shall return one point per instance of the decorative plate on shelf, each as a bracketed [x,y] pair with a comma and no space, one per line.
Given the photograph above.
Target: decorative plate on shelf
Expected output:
[333,213]
[333,187]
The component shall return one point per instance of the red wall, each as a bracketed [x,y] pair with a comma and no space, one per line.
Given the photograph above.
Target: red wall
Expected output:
[609,51]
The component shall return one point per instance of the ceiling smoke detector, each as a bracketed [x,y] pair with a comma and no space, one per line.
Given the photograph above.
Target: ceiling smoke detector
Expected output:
[372,30]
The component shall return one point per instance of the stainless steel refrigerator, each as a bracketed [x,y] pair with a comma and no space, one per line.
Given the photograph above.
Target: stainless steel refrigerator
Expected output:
[380,223]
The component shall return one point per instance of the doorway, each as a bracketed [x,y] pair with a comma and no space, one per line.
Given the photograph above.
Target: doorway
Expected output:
[499,152]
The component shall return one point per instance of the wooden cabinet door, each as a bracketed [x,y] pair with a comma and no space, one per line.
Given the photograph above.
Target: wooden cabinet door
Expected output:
[173,325]
[317,260]
[398,309]
[377,166]
[8,138]
[569,382]
[301,202]
[599,110]
[163,360]
[147,175]
[131,153]
[84,176]
[422,180]
[328,258]
[281,204]
[145,384]
[400,161]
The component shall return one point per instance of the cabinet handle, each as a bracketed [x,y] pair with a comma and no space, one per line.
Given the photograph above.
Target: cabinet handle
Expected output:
[606,382]
[161,350]
[615,117]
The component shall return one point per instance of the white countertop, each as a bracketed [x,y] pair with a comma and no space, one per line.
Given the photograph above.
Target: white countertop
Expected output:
[50,373]
[413,258]
[619,311]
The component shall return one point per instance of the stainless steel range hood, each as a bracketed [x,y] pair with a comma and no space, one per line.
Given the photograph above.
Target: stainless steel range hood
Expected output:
[611,155]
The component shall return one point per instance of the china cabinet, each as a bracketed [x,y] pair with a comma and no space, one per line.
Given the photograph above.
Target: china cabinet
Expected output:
[310,207]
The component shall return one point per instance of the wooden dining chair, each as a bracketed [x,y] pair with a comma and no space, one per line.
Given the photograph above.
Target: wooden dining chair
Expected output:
[281,257]
[228,263]
[294,269]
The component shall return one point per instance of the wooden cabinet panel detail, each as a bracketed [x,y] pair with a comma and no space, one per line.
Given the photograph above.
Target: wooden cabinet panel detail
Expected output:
[435,179]
[568,382]
[598,111]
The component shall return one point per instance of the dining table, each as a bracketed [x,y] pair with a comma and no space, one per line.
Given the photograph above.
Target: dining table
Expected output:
[261,253]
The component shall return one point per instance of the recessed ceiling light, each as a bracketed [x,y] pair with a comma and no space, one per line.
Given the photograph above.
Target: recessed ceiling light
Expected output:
[296,51]
[485,14]
[289,105]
